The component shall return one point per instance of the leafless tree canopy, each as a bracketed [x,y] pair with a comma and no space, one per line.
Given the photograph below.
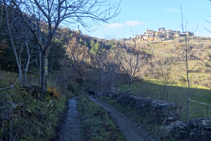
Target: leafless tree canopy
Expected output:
[131,63]
[54,12]
[44,17]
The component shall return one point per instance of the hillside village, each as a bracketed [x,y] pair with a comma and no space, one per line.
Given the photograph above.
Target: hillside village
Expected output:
[161,35]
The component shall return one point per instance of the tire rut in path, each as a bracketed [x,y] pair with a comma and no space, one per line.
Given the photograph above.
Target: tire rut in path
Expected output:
[71,127]
[129,129]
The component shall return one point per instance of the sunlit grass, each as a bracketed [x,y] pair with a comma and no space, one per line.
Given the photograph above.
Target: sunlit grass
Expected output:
[175,92]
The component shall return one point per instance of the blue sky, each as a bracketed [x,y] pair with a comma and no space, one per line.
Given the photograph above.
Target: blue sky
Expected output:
[153,14]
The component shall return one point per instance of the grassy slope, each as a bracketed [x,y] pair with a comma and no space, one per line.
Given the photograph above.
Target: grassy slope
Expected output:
[176,93]
[39,117]
[97,125]
[174,48]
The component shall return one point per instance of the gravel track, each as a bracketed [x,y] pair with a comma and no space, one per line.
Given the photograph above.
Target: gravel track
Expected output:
[131,131]
[71,127]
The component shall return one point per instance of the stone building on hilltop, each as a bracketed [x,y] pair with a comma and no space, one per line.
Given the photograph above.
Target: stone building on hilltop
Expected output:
[162,35]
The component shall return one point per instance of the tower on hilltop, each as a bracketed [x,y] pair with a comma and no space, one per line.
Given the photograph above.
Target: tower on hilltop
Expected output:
[147,31]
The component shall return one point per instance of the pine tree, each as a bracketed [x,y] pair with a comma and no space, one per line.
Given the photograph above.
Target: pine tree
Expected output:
[95,48]
[91,44]
[81,41]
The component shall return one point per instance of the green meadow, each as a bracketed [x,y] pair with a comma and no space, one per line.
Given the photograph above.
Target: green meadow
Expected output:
[175,92]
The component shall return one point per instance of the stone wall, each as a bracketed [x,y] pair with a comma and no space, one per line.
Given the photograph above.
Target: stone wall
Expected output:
[195,130]
[160,112]
[167,115]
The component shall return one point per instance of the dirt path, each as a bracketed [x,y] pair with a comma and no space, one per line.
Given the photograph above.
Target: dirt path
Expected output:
[129,129]
[71,127]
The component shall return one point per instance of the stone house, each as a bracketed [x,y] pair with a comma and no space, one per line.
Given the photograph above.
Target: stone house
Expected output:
[161,34]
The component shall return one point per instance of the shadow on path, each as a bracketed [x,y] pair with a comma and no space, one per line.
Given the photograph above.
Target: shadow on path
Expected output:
[129,129]
[71,127]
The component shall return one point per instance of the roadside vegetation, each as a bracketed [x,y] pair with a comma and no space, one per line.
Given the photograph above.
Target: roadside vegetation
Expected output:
[96,123]
[26,117]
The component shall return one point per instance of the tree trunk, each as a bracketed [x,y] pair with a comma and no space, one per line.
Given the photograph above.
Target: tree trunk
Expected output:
[27,64]
[1,7]
[187,72]
[44,74]
[40,66]
[25,77]
[130,83]
[101,78]
[112,81]
[19,73]
[26,70]
[18,62]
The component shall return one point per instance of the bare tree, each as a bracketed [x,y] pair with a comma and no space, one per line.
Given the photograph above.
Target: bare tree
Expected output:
[161,70]
[17,57]
[131,62]
[76,51]
[20,39]
[113,67]
[46,16]
[109,69]
[187,48]
[100,61]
